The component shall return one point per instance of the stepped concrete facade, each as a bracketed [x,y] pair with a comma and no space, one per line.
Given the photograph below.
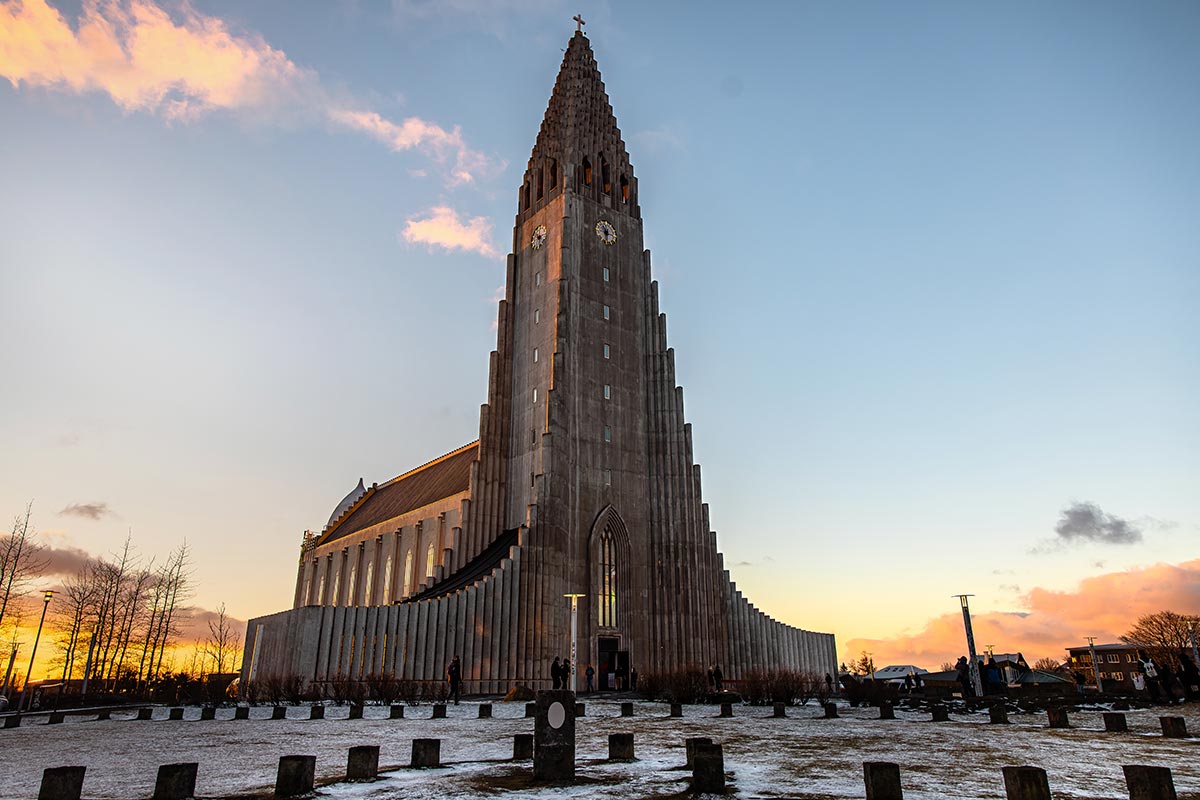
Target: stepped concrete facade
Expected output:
[581,481]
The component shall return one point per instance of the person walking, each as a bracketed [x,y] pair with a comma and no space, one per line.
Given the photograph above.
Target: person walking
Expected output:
[454,678]
[591,678]
[556,674]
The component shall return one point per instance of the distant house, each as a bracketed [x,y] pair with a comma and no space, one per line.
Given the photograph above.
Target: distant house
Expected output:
[896,673]
[1117,664]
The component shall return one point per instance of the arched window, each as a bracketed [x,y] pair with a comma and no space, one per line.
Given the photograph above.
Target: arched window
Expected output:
[553,173]
[321,592]
[304,598]
[429,555]
[540,185]
[604,174]
[408,573]
[387,580]
[369,583]
[337,584]
[607,601]
[587,171]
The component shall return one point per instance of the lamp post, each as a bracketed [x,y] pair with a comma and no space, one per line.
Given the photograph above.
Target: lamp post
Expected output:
[28,702]
[574,635]
[1095,665]
[972,664]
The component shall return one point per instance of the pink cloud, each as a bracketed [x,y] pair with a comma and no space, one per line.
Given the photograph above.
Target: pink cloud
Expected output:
[413,132]
[442,228]
[1104,606]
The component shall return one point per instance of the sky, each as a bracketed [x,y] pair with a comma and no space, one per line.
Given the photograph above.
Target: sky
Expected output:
[931,273]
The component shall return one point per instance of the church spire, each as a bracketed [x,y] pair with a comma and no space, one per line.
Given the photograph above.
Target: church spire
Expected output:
[579,147]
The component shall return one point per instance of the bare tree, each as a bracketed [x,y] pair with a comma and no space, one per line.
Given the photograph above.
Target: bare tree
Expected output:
[21,560]
[223,641]
[1162,635]
[1047,664]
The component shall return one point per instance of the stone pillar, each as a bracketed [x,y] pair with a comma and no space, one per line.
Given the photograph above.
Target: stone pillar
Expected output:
[145,713]
[316,712]
[998,714]
[676,709]
[62,783]
[279,712]
[726,709]
[626,709]
[580,709]
[12,722]
[883,780]
[104,715]
[426,753]
[1026,783]
[780,711]
[485,710]
[1114,722]
[56,718]
[208,713]
[356,712]
[620,747]
[522,746]
[831,711]
[530,710]
[940,713]
[1173,727]
[708,769]
[439,711]
[1149,783]
[176,781]
[690,744]
[295,776]
[554,737]
[175,714]
[362,763]
[1058,717]
[396,712]
[241,712]
[886,710]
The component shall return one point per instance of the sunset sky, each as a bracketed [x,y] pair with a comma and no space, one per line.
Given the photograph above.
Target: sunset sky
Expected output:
[931,270]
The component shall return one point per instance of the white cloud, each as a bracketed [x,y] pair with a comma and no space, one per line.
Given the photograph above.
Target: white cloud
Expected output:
[441,227]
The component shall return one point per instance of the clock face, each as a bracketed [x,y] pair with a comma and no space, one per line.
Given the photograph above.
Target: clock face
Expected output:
[539,237]
[606,232]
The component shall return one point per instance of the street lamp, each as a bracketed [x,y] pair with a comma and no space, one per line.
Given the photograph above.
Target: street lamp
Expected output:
[972,664]
[574,634]
[33,655]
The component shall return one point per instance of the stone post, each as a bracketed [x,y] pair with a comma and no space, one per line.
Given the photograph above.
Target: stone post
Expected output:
[62,783]
[241,712]
[427,753]
[626,709]
[1114,722]
[1026,783]
[779,711]
[831,711]
[690,744]
[279,712]
[998,714]
[1174,727]
[554,737]
[530,710]
[886,710]
[940,713]
[580,709]
[356,711]
[522,746]
[208,713]
[620,747]
[485,710]
[316,712]
[295,776]
[12,722]
[439,711]
[362,763]
[396,711]
[726,709]
[175,714]
[676,709]
[176,781]
[145,713]
[1058,717]
[708,769]
[883,780]
[104,715]
[1149,783]
[57,717]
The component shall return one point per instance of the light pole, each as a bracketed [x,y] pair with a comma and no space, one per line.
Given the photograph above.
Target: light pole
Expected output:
[1095,666]
[972,664]
[574,635]
[28,702]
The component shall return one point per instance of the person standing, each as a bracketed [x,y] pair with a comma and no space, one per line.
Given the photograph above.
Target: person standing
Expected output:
[633,678]
[566,673]
[454,677]
[591,678]
[1150,671]
[556,674]
[718,678]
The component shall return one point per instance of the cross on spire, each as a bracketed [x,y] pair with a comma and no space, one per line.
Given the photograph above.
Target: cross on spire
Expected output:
[579,23]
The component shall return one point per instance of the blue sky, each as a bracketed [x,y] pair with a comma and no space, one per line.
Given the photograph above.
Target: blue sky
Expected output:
[931,271]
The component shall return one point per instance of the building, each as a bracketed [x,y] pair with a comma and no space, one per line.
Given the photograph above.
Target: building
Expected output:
[1118,663]
[581,482]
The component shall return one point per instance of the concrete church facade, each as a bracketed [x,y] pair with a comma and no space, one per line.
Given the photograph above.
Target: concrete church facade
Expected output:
[581,481]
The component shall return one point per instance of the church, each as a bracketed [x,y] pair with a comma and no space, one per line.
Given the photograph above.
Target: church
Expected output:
[581,481]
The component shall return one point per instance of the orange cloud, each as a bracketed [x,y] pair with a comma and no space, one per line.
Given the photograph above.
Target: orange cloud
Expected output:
[443,228]
[1104,606]
[183,67]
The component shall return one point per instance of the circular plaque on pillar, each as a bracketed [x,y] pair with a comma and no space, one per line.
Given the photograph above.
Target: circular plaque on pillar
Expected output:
[556,715]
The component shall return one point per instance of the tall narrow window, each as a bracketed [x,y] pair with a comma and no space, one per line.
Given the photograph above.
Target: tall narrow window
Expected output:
[321,592]
[607,351]
[606,274]
[606,312]
[408,573]
[369,583]
[535,355]
[429,556]
[607,434]
[527,197]
[608,477]
[336,588]
[608,580]
[624,189]
[553,173]
[350,601]
[607,392]
[537,316]
[540,190]
[387,580]
[604,174]
[537,279]
[535,395]
[587,171]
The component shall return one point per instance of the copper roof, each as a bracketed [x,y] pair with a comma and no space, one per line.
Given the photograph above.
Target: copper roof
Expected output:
[445,476]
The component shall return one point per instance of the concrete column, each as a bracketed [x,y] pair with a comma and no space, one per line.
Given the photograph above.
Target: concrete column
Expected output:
[998,714]
[356,712]
[1115,722]
[831,711]
[554,737]
[295,775]
[620,747]
[1026,783]
[241,712]
[316,712]
[726,709]
[176,781]
[676,709]
[626,709]
[708,769]
[580,709]
[62,783]
[362,763]
[175,714]
[279,712]
[1149,783]
[883,780]
[208,713]
[690,744]
[426,753]
[779,711]
[1058,717]
[396,712]
[485,710]
[439,711]
[1173,727]
[145,714]
[522,746]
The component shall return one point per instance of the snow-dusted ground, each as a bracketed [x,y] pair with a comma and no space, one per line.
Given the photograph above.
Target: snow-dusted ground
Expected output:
[798,757]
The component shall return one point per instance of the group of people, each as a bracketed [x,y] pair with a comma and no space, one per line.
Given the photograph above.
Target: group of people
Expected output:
[1165,685]
[716,678]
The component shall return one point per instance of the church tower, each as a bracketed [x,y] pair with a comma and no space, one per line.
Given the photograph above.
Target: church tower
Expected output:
[582,481]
